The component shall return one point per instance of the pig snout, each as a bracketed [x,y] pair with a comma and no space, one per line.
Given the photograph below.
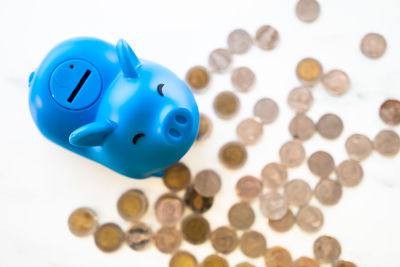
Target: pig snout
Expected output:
[178,126]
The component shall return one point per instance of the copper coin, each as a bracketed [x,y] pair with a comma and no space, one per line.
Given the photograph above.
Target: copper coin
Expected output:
[301,127]
[297,192]
[267,37]
[220,59]
[305,262]
[300,99]
[243,79]
[387,143]
[241,216]
[309,71]
[224,239]
[169,209]
[249,131]
[321,164]
[197,78]
[177,177]
[307,10]
[183,259]
[274,175]
[292,153]
[310,219]
[132,205]
[358,147]
[373,45]
[109,237]
[245,264]
[326,249]
[195,229]
[239,41]
[284,224]
[349,173]
[226,105]
[207,183]
[253,244]
[167,239]
[266,110]
[390,112]
[205,127]
[328,192]
[336,82]
[214,261]
[273,206]
[197,202]
[330,126]
[139,236]
[232,155]
[278,257]
[82,222]
[248,188]
[344,264]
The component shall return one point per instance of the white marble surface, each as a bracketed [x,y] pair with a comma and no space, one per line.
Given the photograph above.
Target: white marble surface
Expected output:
[40,183]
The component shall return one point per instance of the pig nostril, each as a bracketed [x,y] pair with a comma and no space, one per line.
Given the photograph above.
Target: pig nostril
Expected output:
[180,119]
[174,132]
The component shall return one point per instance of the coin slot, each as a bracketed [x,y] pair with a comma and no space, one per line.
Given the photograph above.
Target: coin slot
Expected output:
[174,132]
[79,86]
[136,137]
[180,119]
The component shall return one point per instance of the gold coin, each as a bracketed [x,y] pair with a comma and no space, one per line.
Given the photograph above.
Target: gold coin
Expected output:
[224,239]
[109,237]
[233,155]
[214,261]
[177,176]
[183,259]
[197,202]
[305,262]
[309,71]
[132,205]
[205,127]
[226,104]
[245,264]
[253,244]
[284,224]
[197,78]
[195,229]
[82,222]
[278,257]
[344,264]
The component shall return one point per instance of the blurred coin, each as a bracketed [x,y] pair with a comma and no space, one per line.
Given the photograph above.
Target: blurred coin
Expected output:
[239,41]
[176,177]
[284,224]
[226,105]
[242,79]
[309,71]
[245,264]
[301,127]
[183,259]
[214,261]
[343,264]
[248,188]
[207,183]
[82,222]
[310,219]
[169,209]
[358,147]
[197,202]
[132,205]
[300,99]
[220,59]
[109,237]
[390,112]
[328,192]
[266,110]
[336,82]
[321,164]
[278,257]
[307,10]
[197,78]
[232,155]
[373,45]
[274,175]
[224,239]
[139,236]
[273,206]
[326,249]
[349,173]
[249,131]
[205,127]
[305,262]
[195,229]
[167,239]
[330,126]
[241,216]
[253,244]
[297,192]
[387,143]
[292,153]
[267,37]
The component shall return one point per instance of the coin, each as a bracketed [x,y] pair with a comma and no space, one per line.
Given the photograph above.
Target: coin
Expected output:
[167,239]
[214,261]
[336,82]
[297,192]
[249,131]
[197,202]
[253,244]
[278,257]
[358,147]
[310,219]
[390,112]
[219,60]
[197,78]
[207,183]
[292,153]
[373,45]
[183,259]
[139,236]
[195,229]
[273,206]
[274,175]
[205,127]
[300,99]
[132,205]
[177,177]
[305,262]
[344,264]
[326,249]
[301,127]
[387,143]
[82,222]
[224,239]
[169,209]
[328,192]
[266,110]
[266,37]
[284,224]
[248,188]
[239,41]
[245,264]
[307,10]
[241,216]
[243,79]
[330,126]
[109,237]
[309,71]
[226,105]
[321,164]
[232,155]
[349,173]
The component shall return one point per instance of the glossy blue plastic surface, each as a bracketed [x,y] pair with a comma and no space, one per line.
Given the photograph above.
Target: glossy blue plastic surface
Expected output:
[102,102]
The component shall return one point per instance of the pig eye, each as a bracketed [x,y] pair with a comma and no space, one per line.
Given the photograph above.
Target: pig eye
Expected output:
[159,89]
[136,137]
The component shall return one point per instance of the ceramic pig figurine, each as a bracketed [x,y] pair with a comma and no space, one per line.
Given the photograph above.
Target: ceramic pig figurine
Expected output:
[102,102]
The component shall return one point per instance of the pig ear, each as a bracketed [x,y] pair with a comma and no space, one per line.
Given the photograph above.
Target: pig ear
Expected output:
[91,134]
[127,59]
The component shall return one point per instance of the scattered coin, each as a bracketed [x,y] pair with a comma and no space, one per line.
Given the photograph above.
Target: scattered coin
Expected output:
[177,177]
[267,37]
[249,131]
[205,127]
[300,99]
[284,224]
[214,261]
[387,143]
[310,219]
[278,257]
[226,104]
[297,192]
[328,192]
[309,71]
[167,239]
[139,236]
[197,202]
[224,239]
[344,264]
[248,188]
[241,216]
[82,222]
[242,79]
[292,153]
[307,10]
[336,82]
[219,60]
[233,155]
[132,205]
[330,126]
[301,127]
[326,249]
[239,41]
[274,175]
[207,183]
[195,229]
[349,173]
[305,262]
[273,206]
[169,209]
[321,164]
[253,244]
[266,110]
[358,147]
[198,78]
[390,112]
[109,237]
[183,259]
[245,264]
[373,45]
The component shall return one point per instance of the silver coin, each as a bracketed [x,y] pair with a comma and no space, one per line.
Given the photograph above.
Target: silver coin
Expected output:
[267,37]
[300,99]
[207,183]
[310,219]
[349,173]
[373,45]
[273,206]
[328,192]
[239,41]
[219,60]
[249,131]
[266,110]
[358,147]
[387,143]
[336,82]
[307,10]
[242,79]
[297,192]
[274,175]
[301,127]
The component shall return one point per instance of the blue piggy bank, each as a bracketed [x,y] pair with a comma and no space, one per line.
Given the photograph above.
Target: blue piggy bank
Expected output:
[101,101]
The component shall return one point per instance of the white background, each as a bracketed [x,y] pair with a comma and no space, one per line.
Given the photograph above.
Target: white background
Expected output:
[41,183]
